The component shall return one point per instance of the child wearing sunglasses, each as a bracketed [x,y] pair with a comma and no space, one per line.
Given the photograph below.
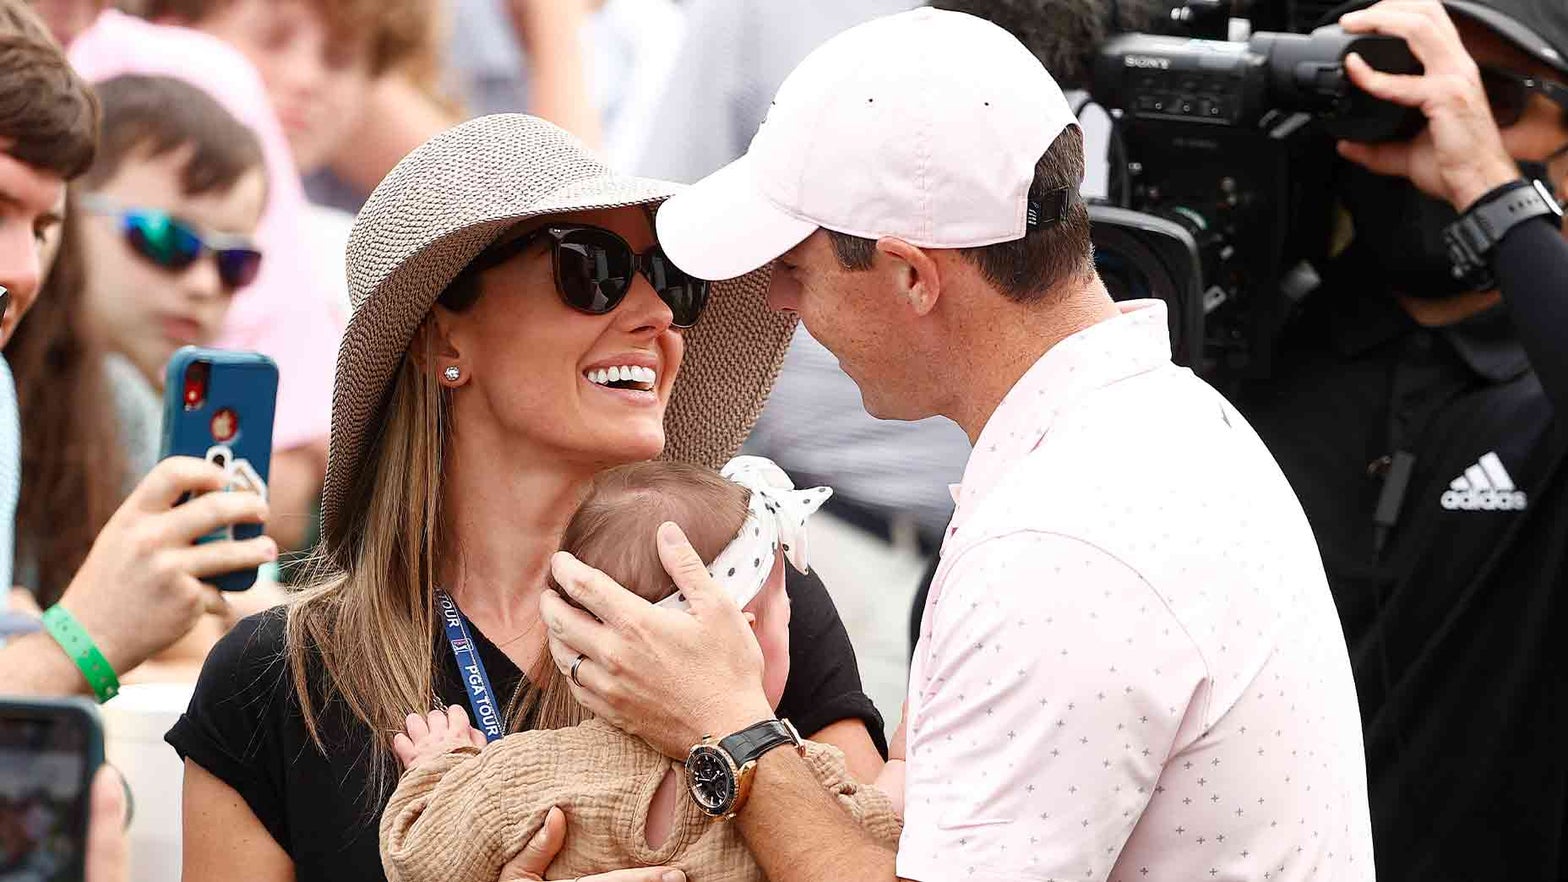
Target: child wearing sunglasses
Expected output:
[331,69]
[469,799]
[166,207]
[172,202]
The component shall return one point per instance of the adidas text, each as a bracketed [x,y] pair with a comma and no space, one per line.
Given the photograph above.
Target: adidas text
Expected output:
[1484,500]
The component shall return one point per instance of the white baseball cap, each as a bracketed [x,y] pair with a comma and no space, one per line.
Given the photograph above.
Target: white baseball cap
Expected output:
[925,126]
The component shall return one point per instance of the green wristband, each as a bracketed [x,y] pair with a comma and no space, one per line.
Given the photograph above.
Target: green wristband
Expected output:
[72,637]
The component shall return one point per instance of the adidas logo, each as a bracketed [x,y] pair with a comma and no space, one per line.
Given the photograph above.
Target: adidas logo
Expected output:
[1484,486]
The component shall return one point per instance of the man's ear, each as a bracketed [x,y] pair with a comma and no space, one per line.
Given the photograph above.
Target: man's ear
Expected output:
[920,282]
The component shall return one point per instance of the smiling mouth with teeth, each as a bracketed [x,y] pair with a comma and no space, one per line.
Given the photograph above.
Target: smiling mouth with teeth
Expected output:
[640,379]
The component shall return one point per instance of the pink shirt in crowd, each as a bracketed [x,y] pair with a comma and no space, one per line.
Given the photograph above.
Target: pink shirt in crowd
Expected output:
[1130,667]
[287,312]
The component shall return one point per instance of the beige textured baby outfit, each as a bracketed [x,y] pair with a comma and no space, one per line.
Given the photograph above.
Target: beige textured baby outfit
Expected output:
[466,814]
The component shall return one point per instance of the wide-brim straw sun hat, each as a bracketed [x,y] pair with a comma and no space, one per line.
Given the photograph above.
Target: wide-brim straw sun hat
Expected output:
[456,195]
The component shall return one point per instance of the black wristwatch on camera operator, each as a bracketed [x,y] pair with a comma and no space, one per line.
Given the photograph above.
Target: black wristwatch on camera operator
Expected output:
[719,773]
[1473,238]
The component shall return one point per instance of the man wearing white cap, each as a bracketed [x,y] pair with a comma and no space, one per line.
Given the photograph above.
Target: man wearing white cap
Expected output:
[1130,665]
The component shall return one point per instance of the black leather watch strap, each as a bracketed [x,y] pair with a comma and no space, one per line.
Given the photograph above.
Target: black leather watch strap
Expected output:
[750,743]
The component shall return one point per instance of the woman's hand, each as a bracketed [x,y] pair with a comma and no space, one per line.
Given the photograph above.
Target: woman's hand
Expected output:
[1460,156]
[532,862]
[671,678]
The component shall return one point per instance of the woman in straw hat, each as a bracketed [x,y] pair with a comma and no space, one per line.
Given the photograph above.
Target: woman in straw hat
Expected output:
[516,330]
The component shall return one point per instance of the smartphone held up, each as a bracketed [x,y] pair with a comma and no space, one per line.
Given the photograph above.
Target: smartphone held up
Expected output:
[219,406]
[49,751]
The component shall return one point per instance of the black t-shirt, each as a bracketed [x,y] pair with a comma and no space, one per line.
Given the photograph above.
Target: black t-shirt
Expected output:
[1452,599]
[244,726]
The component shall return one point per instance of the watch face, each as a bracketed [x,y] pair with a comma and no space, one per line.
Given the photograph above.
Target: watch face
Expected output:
[711,780]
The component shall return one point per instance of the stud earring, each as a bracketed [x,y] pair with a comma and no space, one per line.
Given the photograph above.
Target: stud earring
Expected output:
[453,373]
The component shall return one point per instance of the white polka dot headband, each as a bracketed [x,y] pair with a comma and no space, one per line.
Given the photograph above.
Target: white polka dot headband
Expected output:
[776,522]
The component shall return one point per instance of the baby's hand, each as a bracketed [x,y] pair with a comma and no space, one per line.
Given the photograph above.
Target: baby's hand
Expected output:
[898,748]
[891,782]
[439,732]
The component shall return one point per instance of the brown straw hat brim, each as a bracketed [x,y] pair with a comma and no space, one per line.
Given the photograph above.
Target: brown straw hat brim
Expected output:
[453,197]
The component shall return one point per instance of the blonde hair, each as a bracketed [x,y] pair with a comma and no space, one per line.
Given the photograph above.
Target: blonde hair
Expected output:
[362,634]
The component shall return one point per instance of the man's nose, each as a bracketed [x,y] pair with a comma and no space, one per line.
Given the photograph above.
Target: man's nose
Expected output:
[301,70]
[20,270]
[783,292]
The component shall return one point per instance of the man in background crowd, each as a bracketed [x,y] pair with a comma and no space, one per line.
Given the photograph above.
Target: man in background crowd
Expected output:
[139,590]
[320,59]
[1420,419]
[49,126]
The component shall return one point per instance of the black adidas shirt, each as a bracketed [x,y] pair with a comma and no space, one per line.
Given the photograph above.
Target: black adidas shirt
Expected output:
[1451,594]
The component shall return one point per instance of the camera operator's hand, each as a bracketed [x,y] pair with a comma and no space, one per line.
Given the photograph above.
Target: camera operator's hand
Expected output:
[140,588]
[1460,156]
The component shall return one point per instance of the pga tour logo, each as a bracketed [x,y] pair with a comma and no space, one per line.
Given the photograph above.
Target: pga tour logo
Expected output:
[1484,486]
[482,701]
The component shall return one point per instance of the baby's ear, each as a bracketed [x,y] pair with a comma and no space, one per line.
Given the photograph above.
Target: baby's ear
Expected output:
[751,618]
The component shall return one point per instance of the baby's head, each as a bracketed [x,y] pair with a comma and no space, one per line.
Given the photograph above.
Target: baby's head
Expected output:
[614,531]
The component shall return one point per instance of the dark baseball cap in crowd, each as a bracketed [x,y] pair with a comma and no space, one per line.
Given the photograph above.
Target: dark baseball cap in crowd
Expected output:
[1539,28]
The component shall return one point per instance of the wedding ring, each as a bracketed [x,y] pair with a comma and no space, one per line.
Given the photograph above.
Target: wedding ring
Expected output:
[575,665]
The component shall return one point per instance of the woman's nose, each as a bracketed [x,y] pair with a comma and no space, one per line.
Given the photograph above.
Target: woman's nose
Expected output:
[643,309]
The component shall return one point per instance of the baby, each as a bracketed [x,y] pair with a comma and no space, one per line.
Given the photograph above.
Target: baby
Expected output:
[463,809]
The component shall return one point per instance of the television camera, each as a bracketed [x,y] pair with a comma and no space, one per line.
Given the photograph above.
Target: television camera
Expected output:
[1222,169]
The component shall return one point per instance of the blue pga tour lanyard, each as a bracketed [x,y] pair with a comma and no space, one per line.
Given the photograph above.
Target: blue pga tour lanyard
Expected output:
[470,668]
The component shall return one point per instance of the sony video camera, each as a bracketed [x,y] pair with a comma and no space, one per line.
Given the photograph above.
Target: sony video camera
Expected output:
[1232,142]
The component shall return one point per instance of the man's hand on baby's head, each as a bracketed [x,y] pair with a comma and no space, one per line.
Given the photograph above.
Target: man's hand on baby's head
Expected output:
[425,737]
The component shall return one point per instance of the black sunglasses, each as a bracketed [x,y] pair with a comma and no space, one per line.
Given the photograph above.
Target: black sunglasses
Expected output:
[594,269]
[1509,93]
[168,242]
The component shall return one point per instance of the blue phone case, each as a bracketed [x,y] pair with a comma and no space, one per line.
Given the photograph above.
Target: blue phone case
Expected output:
[235,412]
